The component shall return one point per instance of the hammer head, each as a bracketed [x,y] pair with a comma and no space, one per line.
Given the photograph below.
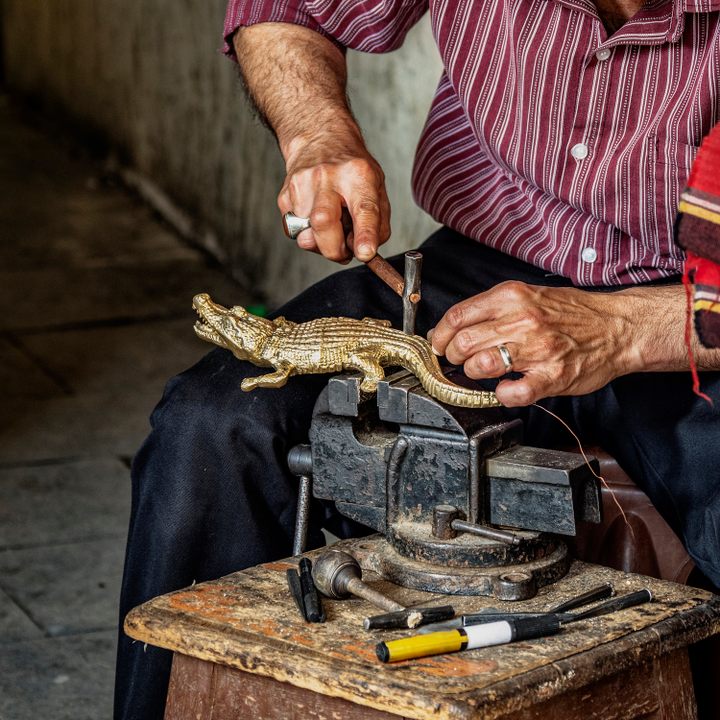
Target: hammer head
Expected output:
[332,571]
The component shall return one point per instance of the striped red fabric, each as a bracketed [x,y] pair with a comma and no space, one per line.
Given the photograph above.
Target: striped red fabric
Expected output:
[705,174]
[698,231]
[547,138]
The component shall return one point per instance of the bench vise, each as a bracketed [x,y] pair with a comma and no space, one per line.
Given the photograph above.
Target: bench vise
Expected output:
[464,507]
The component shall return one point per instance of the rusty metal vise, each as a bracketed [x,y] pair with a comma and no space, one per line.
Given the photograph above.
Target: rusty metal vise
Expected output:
[463,506]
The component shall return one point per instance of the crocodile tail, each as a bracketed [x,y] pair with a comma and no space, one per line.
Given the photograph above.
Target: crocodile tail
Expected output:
[424,364]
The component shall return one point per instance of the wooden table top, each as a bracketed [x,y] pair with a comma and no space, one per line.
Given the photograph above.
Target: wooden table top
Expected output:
[248,621]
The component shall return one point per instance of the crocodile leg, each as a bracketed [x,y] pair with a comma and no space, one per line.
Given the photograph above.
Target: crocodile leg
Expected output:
[271,380]
[371,369]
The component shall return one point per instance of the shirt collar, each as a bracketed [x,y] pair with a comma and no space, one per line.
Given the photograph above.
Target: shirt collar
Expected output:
[661,21]
[680,7]
[699,6]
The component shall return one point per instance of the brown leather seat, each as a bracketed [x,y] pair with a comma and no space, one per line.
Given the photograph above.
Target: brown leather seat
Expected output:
[642,542]
[646,544]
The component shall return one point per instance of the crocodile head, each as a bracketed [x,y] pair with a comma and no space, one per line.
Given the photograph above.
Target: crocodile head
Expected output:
[234,329]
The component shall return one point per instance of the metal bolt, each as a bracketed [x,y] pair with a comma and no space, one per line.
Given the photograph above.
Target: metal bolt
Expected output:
[448,521]
[443,516]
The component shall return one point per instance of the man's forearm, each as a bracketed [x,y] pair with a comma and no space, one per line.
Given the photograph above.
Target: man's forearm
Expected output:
[660,315]
[296,78]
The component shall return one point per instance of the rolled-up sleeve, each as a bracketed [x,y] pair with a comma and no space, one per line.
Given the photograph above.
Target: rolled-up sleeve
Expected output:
[364,25]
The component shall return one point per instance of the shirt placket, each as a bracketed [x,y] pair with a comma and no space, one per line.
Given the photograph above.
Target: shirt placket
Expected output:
[584,144]
[585,141]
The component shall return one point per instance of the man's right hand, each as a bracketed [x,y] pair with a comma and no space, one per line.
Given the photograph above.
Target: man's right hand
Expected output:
[296,78]
[329,172]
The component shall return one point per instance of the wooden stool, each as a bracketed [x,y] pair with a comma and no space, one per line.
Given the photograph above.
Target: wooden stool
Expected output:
[243,651]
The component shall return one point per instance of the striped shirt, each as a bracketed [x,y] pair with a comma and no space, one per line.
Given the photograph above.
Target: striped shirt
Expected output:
[548,139]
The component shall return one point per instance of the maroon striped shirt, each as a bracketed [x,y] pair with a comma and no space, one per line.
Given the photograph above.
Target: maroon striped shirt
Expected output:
[546,138]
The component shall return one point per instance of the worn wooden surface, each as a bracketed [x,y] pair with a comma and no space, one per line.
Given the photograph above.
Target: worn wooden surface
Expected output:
[248,621]
[201,689]
[659,689]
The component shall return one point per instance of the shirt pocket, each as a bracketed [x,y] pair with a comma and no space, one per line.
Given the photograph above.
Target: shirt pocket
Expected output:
[671,161]
[675,154]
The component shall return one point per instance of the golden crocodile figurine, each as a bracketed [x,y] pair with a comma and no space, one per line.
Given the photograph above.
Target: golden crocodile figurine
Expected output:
[327,345]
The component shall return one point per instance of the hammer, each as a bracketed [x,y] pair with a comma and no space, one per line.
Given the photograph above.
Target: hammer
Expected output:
[408,288]
[338,575]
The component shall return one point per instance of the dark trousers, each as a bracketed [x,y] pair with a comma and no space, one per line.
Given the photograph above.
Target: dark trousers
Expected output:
[212,495]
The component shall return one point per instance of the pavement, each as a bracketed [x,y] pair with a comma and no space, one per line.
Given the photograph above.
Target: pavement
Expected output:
[95,316]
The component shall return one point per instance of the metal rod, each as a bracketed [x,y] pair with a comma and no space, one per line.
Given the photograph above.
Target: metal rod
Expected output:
[477,491]
[486,532]
[617,603]
[301,519]
[392,480]
[600,592]
[387,273]
[411,290]
[293,225]
[360,589]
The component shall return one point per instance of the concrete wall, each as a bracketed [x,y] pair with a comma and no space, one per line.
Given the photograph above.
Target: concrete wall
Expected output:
[147,76]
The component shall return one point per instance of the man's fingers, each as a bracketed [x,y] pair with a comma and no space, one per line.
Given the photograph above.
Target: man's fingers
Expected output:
[306,239]
[321,191]
[324,208]
[471,340]
[520,393]
[489,362]
[501,300]
[362,184]
[457,322]
[367,221]
[325,219]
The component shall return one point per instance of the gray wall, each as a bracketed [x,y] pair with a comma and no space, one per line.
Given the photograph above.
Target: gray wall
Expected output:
[147,75]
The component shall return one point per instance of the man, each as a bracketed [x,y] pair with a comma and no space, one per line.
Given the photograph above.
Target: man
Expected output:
[556,147]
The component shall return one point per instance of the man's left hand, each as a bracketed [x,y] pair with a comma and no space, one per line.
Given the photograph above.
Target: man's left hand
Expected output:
[564,341]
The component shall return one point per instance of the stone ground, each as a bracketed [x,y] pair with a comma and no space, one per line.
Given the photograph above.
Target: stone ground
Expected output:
[95,316]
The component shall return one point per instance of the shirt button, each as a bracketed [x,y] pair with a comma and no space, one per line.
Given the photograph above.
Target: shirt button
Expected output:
[579,151]
[589,255]
[603,54]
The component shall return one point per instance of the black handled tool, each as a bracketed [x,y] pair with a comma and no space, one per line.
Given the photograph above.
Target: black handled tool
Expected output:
[410,618]
[618,603]
[491,615]
[613,605]
[311,598]
[304,592]
[593,595]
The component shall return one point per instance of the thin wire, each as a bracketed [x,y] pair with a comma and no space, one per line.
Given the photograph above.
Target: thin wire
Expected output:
[587,462]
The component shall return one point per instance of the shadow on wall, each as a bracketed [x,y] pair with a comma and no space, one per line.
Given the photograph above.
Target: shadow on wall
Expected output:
[150,76]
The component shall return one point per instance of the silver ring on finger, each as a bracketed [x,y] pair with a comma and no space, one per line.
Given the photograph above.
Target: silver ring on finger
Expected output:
[293,224]
[505,357]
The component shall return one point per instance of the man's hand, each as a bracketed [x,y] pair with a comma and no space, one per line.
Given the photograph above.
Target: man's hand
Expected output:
[296,78]
[331,171]
[564,341]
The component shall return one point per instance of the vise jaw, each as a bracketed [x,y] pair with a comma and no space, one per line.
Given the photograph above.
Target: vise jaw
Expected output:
[437,480]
